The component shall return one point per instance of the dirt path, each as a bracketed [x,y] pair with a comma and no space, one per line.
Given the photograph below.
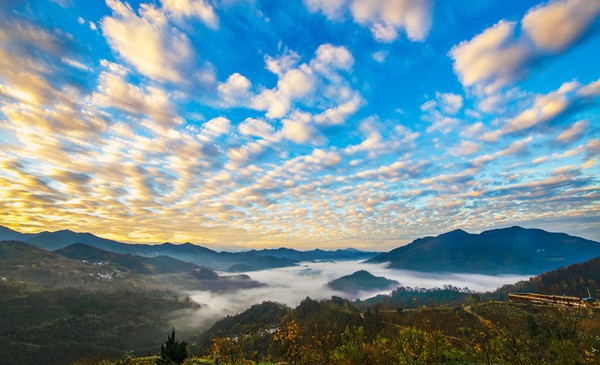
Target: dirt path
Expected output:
[486,322]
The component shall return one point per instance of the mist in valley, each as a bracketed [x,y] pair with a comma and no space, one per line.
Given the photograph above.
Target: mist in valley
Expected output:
[290,285]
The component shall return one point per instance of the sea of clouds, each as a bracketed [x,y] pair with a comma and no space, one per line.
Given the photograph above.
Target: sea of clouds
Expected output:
[290,285]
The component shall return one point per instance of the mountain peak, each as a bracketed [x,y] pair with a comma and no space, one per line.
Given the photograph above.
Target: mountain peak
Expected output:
[457,232]
[512,250]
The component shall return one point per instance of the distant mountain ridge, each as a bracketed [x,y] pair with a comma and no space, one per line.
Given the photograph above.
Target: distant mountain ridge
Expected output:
[317,254]
[513,250]
[81,265]
[143,265]
[225,261]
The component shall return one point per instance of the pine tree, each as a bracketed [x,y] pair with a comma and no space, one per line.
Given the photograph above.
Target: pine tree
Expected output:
[172,352]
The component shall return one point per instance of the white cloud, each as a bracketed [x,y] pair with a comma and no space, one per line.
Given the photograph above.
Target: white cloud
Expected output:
[473,130]
[331,8]
[573,133]
[441,123]
[280,65]
[384,18]
[557,25]
[339,114]
[440,112]
[380,56]
[217,126]
[192,8]
[375,143]
[297,128]
[255,127]
[292,85]
[236,90]
[114,91]
[465,148]
[324,158]
[149,43]
[546,108]
[500,56]
[516,148]
[450,103]
[329,57]
[301,84]
[492,60]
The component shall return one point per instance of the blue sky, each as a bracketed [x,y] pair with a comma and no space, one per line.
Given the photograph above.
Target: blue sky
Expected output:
[313,123]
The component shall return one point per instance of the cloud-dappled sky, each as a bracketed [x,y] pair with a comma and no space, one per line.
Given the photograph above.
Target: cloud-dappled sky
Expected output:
[328,123]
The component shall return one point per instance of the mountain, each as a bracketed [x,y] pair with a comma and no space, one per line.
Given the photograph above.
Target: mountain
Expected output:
[83,266]
[198,255]
[573,280]
[63,238]
[142,265]
[513,250]
[224,261]
[346,254]
[7,234]
[361,281]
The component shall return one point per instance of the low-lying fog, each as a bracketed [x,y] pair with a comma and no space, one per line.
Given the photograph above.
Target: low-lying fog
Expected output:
[291,285]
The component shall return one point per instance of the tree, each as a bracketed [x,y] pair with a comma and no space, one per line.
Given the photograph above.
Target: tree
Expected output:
[289,336]
[172,352]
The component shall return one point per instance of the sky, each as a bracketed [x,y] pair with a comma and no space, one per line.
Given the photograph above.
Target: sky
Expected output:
[315,123]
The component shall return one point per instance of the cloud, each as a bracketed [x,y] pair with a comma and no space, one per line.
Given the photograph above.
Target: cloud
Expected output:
[384,18]
[282,64]
[339,114]
[573,133]
[383,139]
[379,56]
[236,90]
[330,58]
[465,148]
[298,128]
[501,56]
[449,103]
[440,112]
[217,127]
[153,46]
[556,26]
[36,63]
[292,85]
[327,159]
[516,148]
[547,108]
[472,131]
[291,285]
[192,8]
[115,92]
[256,128]
[317,84]
[492,60]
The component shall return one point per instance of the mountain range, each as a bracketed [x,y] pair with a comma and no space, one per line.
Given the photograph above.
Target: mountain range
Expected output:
[224,261]
[513,250]
[82,265]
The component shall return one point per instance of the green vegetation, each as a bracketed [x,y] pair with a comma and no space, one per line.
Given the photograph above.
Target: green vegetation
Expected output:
[60,310]
[573,280]
[63,325]
[336,332]
[172,352]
